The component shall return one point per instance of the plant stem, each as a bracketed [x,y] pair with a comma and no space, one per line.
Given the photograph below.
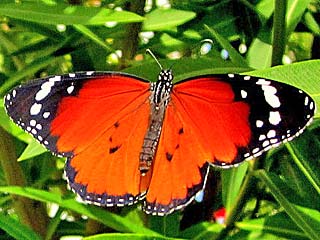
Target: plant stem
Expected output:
[131,38]
[234,213]
[10,47]
[279,32]
[30,212]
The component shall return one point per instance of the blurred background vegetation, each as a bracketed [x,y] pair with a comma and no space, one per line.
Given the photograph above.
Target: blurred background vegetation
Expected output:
[275,197]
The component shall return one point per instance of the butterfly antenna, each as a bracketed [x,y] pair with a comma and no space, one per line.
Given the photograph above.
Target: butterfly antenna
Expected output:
[154,57]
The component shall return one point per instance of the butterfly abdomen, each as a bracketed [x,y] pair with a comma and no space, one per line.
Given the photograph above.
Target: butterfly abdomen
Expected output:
[159,99]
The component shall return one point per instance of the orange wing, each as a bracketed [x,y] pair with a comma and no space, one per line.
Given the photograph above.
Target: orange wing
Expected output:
[103,129]
[192,136]
[179,167]
[208,105]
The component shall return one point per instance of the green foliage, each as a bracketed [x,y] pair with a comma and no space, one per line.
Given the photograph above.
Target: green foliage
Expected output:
[275,197]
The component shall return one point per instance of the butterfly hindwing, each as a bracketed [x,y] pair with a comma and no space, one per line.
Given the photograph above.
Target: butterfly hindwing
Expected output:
[179,167]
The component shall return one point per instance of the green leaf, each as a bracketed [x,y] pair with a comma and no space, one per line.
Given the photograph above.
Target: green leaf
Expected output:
[53,224]
[307,161]
[31,69]
[265,8]
[160,19]
[186,67]
[295,179]
[313,214]
[204,230]
[233,54]
[311,23]
[16,229]
[130,236]
[295,11]
[259,54]
[99,214]
[49,31]
[33,149]
[301,44]
[91,35]
[303,75]
[231,182]
[65,14]
[167,226]
[10,127]
[277,224]
[276,186]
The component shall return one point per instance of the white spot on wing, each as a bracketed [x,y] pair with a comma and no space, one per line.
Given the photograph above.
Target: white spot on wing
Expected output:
[262,137]
[258,154]
[35,108]
[230,75]
[265,143]
[274,118]
[46,114]
[70,89]
[244,94]
[246,78]
[274,141]
[259,123]
[271,134]
[262,81]
[255,150]
[44,91]
[270,96]
[55,79]
[311,106]
[33,122]
[72,75]
[14,93]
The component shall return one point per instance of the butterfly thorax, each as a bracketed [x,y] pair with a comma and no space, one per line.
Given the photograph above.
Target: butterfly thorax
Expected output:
[159,99]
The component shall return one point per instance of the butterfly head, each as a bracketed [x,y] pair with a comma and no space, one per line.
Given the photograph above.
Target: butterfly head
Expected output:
[165,75]
[166,78]
[161,89]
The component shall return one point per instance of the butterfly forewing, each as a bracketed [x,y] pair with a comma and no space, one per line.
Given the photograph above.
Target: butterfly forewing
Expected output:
[34,105]
[98,121]
[239,117]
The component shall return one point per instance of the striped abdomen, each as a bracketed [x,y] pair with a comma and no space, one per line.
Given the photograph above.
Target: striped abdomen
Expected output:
[159,99]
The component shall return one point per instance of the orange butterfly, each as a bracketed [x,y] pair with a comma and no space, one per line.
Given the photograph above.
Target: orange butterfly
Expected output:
[127,139]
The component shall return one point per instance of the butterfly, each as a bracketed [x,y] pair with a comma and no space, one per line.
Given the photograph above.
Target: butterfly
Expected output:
[127,139]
